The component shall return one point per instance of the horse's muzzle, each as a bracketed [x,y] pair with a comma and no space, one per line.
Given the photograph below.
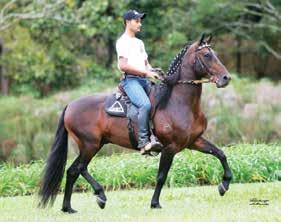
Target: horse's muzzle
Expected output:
[223,81]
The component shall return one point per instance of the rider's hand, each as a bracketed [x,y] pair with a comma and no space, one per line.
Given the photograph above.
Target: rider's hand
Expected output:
[152,75]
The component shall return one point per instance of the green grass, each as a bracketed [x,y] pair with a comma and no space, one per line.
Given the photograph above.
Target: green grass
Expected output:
[179,204]
[248,162]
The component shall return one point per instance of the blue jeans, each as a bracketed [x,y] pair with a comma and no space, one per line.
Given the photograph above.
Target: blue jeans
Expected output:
[136,89]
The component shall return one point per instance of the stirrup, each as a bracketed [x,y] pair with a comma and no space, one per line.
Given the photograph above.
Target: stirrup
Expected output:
[149,153]
[153,150]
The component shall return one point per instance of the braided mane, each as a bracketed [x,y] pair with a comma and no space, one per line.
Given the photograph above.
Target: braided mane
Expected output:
[173,71]
[172,76]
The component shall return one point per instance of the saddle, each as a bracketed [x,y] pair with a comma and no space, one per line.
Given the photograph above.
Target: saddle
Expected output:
[118,104]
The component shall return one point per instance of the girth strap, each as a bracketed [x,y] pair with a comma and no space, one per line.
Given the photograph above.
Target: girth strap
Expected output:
[132,134]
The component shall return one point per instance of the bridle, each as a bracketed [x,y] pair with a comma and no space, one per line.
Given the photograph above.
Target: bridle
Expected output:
[203,66]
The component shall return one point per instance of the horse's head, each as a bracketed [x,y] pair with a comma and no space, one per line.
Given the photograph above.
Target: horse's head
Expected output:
[206,64]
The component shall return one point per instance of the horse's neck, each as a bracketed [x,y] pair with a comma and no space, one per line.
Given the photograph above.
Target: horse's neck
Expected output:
[187,95]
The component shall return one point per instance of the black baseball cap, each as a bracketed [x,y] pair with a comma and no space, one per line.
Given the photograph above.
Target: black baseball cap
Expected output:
[133,14]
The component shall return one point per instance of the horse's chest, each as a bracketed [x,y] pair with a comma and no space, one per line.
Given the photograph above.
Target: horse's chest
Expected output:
[180,130]
[198,126]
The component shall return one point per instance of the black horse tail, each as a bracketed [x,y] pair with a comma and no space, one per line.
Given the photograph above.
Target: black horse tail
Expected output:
[54,170]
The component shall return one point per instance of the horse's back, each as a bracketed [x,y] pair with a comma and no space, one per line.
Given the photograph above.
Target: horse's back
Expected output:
[85,102]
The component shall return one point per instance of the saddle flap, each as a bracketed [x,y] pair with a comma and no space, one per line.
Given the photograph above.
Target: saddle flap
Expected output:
[118,104]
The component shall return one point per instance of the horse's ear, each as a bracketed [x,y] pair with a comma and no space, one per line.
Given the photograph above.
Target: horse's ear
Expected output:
[210,39]
[202,39]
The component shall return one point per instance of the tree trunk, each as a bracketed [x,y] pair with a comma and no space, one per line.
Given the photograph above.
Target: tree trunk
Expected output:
[110,52]
[238,54]
[260,66]
[4,82]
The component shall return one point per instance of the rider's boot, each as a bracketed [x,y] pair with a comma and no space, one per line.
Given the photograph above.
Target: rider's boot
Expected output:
[144,143]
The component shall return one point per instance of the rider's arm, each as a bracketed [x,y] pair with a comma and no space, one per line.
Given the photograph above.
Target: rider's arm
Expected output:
[125,67]
[123,50]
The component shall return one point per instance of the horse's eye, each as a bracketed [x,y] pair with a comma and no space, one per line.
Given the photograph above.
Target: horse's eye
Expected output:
[207,55]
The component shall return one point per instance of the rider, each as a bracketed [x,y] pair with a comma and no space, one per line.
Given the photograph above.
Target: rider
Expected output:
[133,62]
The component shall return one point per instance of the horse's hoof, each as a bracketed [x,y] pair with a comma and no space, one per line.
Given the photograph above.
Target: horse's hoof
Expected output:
[69,210]
[222,189]
[155,206]
[101,202]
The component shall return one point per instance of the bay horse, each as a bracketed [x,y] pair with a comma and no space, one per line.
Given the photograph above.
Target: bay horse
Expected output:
[179,123]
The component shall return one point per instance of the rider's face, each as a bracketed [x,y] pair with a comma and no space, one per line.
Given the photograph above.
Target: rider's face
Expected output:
[134,25]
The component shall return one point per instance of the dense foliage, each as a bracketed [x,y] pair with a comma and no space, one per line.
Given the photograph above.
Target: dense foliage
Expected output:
[249,163]
[58,47]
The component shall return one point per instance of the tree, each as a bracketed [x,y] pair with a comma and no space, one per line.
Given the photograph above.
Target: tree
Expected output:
[56,44]
[253,24]
[3,78]
[14,11]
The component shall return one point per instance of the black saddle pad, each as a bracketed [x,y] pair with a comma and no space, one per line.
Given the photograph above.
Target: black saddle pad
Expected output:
[116,104]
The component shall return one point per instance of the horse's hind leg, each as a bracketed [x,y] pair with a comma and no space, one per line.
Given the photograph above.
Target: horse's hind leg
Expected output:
[98,190]
[79,166]
[72,175]
[205,146]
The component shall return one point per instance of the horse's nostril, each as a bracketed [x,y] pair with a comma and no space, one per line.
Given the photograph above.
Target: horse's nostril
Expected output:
[226,77]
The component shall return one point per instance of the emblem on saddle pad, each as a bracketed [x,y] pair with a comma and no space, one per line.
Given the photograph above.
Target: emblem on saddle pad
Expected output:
[116,107]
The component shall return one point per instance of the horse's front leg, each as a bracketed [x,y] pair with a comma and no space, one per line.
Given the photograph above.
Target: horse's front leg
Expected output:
[205,146]
[166,160]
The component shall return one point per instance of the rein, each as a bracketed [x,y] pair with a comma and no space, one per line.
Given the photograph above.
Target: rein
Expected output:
[194,82]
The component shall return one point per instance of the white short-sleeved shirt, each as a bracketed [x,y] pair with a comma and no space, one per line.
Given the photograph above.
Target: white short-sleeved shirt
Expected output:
[133,49]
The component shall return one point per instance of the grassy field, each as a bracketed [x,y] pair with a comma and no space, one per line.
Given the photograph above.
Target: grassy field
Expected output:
[179,204]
